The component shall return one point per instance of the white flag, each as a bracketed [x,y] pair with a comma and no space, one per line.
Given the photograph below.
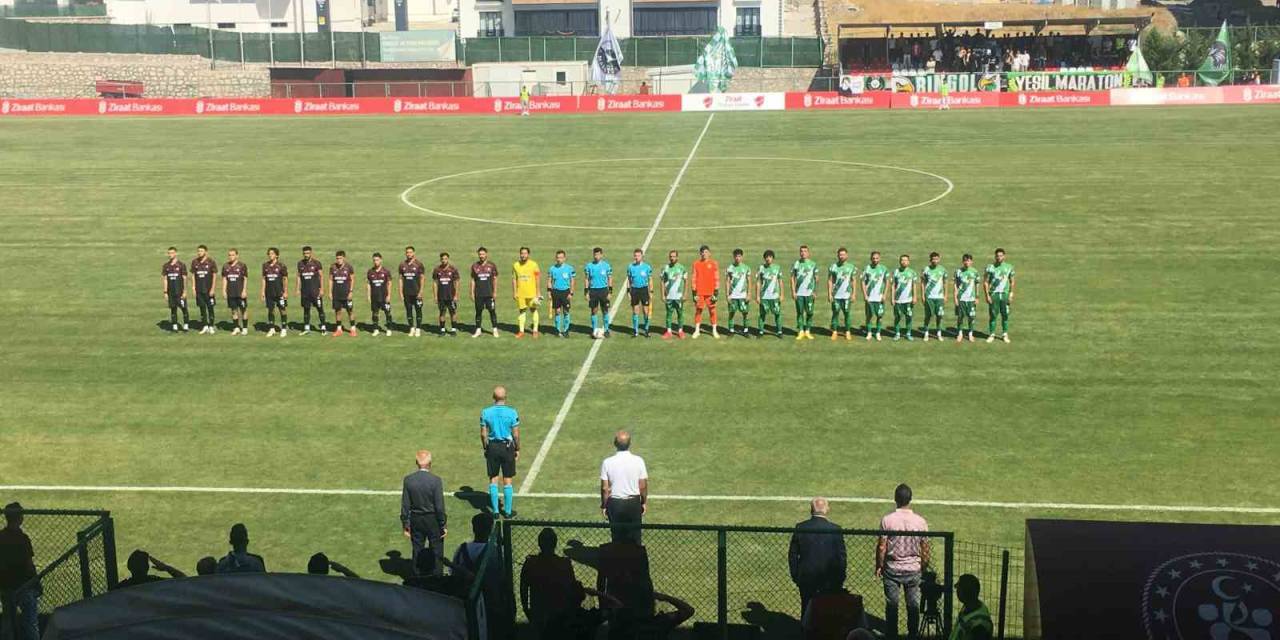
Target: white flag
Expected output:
[606,65]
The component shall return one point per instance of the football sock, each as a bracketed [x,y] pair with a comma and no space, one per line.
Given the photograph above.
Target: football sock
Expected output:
[493,498]
[534,313]
[508,499]
[493,318]
[635,323]
[593,323]
[669,312]
[306,315]
[211,320]
[520,321]
[173,315]
[646,322]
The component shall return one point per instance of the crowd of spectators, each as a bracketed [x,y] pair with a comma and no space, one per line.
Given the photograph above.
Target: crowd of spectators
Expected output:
[981,51]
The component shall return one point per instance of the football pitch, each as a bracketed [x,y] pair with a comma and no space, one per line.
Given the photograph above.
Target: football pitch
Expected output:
[1140,382]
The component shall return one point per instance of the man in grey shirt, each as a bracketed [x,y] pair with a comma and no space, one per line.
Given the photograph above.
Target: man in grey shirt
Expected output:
[422,511]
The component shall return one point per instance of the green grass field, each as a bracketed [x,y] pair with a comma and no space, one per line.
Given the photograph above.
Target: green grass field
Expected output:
[1142,371]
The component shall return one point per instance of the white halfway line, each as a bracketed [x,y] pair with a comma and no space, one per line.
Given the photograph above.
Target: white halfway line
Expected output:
[1064,506]
[532,475]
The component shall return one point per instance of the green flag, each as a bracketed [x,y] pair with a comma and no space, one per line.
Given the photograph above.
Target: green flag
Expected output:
[1137,70]
[716,64]
[1217,65]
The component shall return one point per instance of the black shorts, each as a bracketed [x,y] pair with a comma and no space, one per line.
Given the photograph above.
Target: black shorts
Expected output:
[176,301]
[314,301]
[277,302]
[413,301]
[205,300]
[341,304]
[237,304]
[598,298]
[447,304]
[377,307]
[560,299]
[484,302]
[500,459]
[640,296]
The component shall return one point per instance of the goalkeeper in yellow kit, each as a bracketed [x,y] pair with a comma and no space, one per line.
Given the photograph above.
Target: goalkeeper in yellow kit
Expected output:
[524,283]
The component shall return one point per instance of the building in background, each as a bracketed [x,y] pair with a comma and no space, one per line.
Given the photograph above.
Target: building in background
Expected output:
[495,18]
[286,16]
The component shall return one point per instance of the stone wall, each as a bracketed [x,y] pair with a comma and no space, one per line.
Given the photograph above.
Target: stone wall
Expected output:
[72,75]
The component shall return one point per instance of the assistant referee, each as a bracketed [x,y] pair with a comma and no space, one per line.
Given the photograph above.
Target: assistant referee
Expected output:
[624,489]
[500,438]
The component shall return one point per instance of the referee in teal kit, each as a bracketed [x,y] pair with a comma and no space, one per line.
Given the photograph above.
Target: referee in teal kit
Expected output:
[500,438]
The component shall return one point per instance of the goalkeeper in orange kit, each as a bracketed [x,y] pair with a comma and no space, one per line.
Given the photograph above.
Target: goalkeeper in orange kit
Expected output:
[706,289]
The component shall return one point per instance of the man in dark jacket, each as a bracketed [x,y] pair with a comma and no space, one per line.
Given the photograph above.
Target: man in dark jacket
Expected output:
[817,555]
[422,512]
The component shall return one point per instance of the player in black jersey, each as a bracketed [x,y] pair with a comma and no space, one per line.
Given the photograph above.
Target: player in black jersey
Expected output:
[311,286]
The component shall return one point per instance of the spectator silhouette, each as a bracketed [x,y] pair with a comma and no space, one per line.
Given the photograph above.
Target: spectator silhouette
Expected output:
[240,560]
[817,557]
[623,579]
[139,563]
[832,614]
[660,625]
[550,593]
[320,564]
[17,566]
[974,620]
[469,557]
[206,566]
[428,577]
[860,634]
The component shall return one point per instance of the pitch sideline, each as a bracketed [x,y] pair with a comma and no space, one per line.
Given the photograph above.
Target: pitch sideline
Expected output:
[981,504]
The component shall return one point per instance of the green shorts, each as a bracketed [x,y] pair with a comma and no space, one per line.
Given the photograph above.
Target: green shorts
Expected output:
[933,307]
[840,304]
[804,304]
[770,306]
[675,304]
[738,305]
[904,309]
[874,309]
[967,309]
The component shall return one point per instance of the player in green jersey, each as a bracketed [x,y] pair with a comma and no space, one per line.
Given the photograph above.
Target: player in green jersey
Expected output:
[769,294]
[675,280]
[840,277]
[738,275]
[933,280]
[804,276]
[904,284]
[965,287]
[873,285]
[998,283]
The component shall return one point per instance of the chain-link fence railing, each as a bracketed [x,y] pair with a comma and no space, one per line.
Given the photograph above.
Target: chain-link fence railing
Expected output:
[730,577]
[1000,572]
[75,559]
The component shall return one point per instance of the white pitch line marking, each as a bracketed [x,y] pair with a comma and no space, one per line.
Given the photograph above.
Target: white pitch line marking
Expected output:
[950,186]
[1064,506]
[581,378]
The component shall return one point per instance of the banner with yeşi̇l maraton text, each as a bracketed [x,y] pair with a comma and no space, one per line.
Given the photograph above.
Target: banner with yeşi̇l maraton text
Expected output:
[716,64]
[1065,80]
[1217,64]
[606,64]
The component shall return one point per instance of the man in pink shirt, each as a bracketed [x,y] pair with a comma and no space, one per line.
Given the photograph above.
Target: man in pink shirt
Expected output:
[900,560]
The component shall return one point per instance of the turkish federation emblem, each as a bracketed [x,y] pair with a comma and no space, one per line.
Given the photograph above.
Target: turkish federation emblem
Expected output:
[1216,596]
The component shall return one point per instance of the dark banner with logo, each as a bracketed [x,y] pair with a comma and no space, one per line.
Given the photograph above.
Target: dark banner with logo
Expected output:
[1152,581]
[402,15]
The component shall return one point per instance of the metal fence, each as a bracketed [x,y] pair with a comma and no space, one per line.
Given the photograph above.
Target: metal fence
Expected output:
[656,51]
[215,44]
[732,577]
[75,556]
[1001,573]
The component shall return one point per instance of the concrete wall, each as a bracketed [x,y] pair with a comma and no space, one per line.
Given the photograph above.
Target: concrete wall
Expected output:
[72,75]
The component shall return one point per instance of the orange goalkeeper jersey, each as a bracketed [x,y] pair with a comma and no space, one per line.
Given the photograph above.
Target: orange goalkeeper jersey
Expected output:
[704,277]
